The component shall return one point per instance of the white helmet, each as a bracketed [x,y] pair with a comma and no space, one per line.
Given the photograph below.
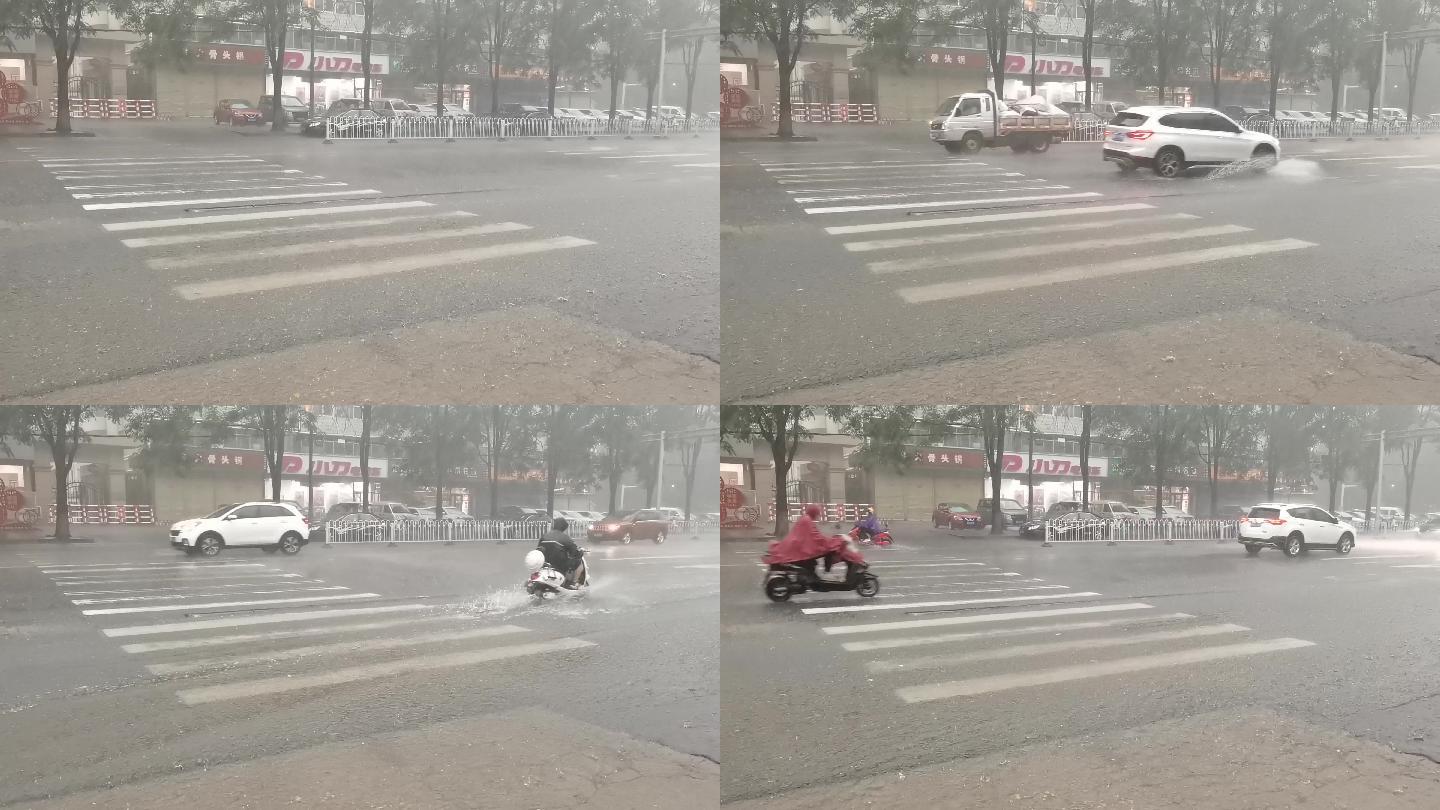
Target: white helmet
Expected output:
[535,559]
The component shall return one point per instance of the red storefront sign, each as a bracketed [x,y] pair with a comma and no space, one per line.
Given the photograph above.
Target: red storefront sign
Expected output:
[229,55]
[229,459]
[329,466]
[734,514]
[335,63]
[1010,463]
[1016,64]
[940,457]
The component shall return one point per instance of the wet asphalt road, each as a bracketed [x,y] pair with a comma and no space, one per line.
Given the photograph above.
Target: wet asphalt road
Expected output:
[1339,236]
[82,710]
[1348,642]
[613,232]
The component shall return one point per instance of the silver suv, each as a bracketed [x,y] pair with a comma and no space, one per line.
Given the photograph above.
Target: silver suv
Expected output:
[1170,140]
[1293,528]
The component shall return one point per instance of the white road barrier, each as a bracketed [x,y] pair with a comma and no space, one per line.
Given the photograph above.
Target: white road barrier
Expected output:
[352,529]
[1141,531]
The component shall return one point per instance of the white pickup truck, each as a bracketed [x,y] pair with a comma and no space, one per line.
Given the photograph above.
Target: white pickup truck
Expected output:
[969,121]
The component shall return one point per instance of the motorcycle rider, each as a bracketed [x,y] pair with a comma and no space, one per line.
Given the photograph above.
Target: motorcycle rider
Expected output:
[807,545]
[562,554]
[869,525]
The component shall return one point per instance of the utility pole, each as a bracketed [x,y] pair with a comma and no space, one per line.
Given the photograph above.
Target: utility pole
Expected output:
[1030,479]
[312,68]
[660,472]
[1380,477]
[1384,45]
[310,479]
[660,84]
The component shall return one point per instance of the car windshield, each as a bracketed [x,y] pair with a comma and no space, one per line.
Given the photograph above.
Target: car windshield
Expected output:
[221,511]
[947,106]
[1129,119]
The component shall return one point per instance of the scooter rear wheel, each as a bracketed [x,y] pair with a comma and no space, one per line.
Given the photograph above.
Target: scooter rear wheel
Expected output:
[777,589]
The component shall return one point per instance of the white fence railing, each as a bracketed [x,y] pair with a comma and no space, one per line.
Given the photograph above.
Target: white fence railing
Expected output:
[374,530]
[353,126]
[1140,531]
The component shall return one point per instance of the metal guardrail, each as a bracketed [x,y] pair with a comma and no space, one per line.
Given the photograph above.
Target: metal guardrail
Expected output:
[1141,531]
[356,529]
[354,125]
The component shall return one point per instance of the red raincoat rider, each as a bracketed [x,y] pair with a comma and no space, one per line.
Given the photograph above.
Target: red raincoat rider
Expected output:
[806,542]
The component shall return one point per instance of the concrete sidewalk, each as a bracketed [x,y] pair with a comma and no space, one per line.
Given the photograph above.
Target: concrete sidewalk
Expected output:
[521,760]
[1241,760]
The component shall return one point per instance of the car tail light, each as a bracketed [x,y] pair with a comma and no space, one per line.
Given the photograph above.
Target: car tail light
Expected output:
[534,574]
[1139,134]
[307,520]
[1275,521]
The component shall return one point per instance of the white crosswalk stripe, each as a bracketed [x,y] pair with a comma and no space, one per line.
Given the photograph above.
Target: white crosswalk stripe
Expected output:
[657,160]
[955,230]
[967,648]
[272,637]
[337,234]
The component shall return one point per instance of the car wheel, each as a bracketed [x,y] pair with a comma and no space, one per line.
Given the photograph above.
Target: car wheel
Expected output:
[1294,544]
[1019,146]
[660,538]
[971,143]
[1169,162]
[1346,543]
[1040,143]
[290,543]
[209,545]
[1252,549]
[625,541]
[1264,158]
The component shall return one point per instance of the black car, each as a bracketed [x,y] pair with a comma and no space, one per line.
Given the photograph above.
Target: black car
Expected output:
[1012,512]
[1078,527]
[295,110]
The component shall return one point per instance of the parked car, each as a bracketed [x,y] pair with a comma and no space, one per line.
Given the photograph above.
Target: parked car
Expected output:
[1293,528]
[256,524]
[525,514]
[956,516]
[295,110]
[1014,513]
[512,110]
[237,112]
[627,527]
[571,515]
[394,108]
[316,126]
[446,513]
[1171,140]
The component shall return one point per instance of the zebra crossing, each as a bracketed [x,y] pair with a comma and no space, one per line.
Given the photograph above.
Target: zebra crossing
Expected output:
[681,156]
[231,630]
[211,222]
[946,628]
[958,228]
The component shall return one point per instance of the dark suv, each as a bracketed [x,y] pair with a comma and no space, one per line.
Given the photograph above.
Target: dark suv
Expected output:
[296,111]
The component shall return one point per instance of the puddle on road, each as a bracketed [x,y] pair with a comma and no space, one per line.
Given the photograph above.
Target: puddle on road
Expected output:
[514,601]
[1288,170]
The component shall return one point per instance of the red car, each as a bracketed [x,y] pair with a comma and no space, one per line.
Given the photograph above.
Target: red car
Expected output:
[956,516]
[626,527]
[237,112]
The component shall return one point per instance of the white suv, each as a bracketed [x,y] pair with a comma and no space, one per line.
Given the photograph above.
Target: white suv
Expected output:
[260,524]
[1293,528]
[1172,139]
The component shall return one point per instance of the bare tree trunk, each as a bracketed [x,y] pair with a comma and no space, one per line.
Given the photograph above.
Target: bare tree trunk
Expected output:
[365,38]
[365,458]
[63,60]
[1085,427]
[1087,48]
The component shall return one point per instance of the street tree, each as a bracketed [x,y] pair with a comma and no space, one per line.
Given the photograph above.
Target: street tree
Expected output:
[700,416]
[785,25]
[498,27]
[571,27]
[367,36]
[1423,15]
[1286,27]
[569,435]
[272,422]
[61,429]
[167,435]
[1410,448]
[781,427]
[63,22]
[505,439]
[274,19]
[1087,426]
[367,424]
[885,432]
[1286,434]
[1230,27]
[618,431]
[1091,10]
[1340,431]
[994,423]
[619,27]
[1154,441]
[1225,436]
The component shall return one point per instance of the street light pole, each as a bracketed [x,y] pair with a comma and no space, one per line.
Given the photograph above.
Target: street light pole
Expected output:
[660,471]
[1384,43]
[1030,480]
[660,84]
[1380,476]
[310,479]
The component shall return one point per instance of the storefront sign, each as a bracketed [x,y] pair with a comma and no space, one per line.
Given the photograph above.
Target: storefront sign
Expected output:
[332,466]
[734,514]
[1016,64]
[1010,462]
[229,459]
[336,63]
[15,108]
[215,54]
[1054,465]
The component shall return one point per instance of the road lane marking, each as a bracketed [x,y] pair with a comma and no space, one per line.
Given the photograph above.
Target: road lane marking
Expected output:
[945,603]
[210,605]
[847,209]
[242,621]
[165,564]
[1025,650]
[93,186]
[73,573]
[912,185]
[338,647]
[834,167]
[280,635]
[305,248]
[697,165]
[1123,666]
[349,272]
[873,162]
[966,582]
[1374,557]
[901,195]
[270,686]
[166,162]
[889,578]
[214,200]
[103,195]
[1059,627]
[966,236]
[950,290]
[837,230]
[984,618]
[183,589]
[113,600]
[1373,157]
[1422,565]
[244,233]
[966,590]
[146,175]
[175,577]
[129,157]
[920,178]
[183,222]
[647,155]
[1062,246]
[895,566]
